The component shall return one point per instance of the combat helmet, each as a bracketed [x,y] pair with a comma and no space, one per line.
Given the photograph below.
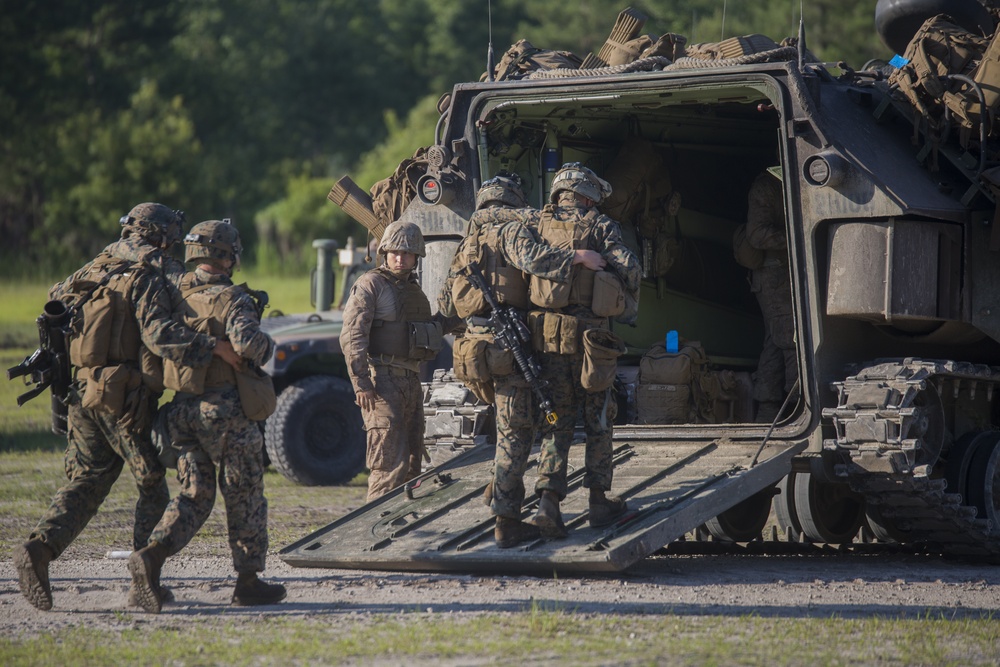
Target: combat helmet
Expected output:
[574,177]
[504,189]
[402,237]
[212,242]
[155,223]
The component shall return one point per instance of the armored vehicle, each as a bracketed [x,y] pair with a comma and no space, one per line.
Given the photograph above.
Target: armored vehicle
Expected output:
[888,429]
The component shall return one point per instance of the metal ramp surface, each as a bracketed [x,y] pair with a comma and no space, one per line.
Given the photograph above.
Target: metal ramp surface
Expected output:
[442,524]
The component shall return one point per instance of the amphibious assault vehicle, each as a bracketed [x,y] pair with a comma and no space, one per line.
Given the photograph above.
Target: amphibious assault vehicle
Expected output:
[892,430]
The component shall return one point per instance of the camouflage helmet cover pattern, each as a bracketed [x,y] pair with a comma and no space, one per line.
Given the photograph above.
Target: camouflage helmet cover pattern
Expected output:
[213,240]
[503,189]
[402,237]
[154,222]
[574,177]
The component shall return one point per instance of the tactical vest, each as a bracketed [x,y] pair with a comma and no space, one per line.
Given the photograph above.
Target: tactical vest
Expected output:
[411,334]
[507,281]
[104,331]
[205,313]
[570,233]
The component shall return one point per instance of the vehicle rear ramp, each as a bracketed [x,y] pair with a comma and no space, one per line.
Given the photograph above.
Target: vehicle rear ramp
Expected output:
[441,523]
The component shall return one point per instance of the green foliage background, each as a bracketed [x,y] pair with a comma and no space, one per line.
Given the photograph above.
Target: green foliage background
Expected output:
[252,109]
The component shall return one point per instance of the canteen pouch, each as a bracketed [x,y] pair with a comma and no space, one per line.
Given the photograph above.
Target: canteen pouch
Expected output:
[609,295]
[471,366]
[107,388]
[601,349]
[257,395]
[468,301]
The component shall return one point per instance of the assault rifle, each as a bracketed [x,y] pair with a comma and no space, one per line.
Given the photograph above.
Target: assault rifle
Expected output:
[510,333]
[48,366]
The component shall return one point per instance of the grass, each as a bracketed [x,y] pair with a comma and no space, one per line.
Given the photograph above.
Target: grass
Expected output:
[562,637]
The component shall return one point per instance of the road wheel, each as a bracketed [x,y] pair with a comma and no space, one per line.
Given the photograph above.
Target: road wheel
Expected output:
[829,512]
[316,436]
[744,521]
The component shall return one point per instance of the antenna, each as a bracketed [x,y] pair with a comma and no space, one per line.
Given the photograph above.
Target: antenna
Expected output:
[722,31]
[489,51]
[802,39]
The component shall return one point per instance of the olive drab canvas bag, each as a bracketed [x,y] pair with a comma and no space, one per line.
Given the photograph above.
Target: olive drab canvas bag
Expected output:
[670,384]
[257,395]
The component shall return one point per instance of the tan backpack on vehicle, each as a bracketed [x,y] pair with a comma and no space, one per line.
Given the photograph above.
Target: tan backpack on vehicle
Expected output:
[938,49]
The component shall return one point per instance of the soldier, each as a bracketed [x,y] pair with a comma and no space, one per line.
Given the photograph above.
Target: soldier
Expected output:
[571,220]
[208,424]
[502,246]
[388,331]
[776,369]
[125,298]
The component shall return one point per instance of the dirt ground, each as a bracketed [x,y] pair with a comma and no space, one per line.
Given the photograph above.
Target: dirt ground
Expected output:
[93,591]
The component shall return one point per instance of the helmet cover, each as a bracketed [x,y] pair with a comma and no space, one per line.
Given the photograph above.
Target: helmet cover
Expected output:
[213,241]
[154,222]
[574,177]
[504,189]
[402,237]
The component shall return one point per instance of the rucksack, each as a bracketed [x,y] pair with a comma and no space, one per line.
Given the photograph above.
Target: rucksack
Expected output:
[938,49]
[392,195]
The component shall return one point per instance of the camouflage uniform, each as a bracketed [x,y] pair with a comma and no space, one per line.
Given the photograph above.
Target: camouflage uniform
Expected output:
[562,371]
[213,435]
[395,427]
[776,369]
[517,412]
[99,444]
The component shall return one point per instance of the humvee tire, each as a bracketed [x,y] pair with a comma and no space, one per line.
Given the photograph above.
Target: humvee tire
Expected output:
[316,436]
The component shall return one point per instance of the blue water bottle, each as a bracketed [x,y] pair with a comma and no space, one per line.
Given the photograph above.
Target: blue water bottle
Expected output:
[672,342]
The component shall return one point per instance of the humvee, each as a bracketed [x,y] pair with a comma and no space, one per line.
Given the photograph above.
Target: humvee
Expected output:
[892,430]
[315,436]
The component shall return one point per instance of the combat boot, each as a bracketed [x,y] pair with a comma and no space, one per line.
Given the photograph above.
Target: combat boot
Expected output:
[32,562]
[145,565]
[488,494]
[604,509]
[166,596]
[548,519]
[511,532]
[251,591]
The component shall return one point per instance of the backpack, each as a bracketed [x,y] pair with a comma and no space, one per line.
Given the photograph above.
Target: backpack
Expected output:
[938,49]
[670,385]
[392,195]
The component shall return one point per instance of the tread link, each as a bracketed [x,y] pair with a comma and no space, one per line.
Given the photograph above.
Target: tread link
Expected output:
[880,423]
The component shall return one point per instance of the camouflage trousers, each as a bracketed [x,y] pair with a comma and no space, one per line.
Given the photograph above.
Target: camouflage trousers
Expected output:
[394,430]
[562,372]
[215,439]
[98,447]
[777,368]
[516,415]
